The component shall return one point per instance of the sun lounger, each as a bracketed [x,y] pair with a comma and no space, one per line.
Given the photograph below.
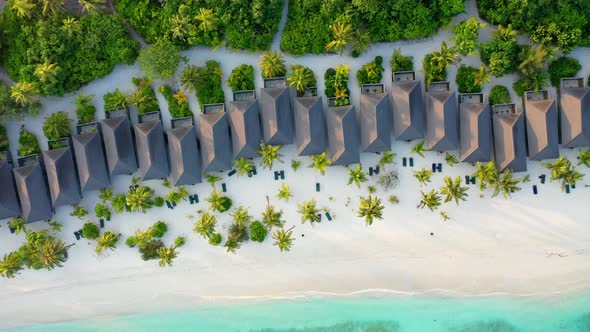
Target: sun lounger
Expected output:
[192,199]
[328,216]
[254,171]
[108,218]
[224,187]
[101,222]
[12,230]
[573,186]
[317,187]
[466,179]
[169,205]
[319,217]
[77,235]
[370,171]
[376,169]
[567,188]
[404,161]
[411,162]
[535,189]
[282,174]
[232,172]
[542,177]
[436,167]
[81,234]
[276,175]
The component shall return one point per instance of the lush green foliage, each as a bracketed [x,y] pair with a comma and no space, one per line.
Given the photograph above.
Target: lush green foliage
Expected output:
[433,73]
[159,229]
[218,202]
[466,80]
[501,53]
[208,87]
[336,81]
[149,249]
[465,36]
[272,65]
[160,60]
[370,73]
[257,231]
[562,68]
[90,231]
[11,109]
[108,240]
[215,239]
[57,125]
[27,144]
[370,208]
[269,154]
[301,78]
[241,78]
[534,82]
[4,143]
[85,110]
[102,211]
[400,62]
[144,97]
[499,95]
[177,102]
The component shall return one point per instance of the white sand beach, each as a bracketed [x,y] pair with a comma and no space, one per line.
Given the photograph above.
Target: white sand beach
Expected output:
[526,245]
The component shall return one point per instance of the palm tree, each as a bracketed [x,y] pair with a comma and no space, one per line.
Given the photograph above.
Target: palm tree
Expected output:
[24,93]
[51,6]
[207,20]
[570,177]
[140,199]
[212,179]
[300,78]
[52,253]
[558,167]
[320,162]
[193,78]
[106,195]
[167,255]
[423,176]
[451,159]
[361,42]
[91,6]
[453,190]
[584,158]
[444,216]
[243,166]
[71,25]
[205,226]
[232,244]
[23,8]
[505,33]
[534,59]
[482,76]
[342,33]
[179,26]
[108,240]
[283,239]
[18,224]
[241,216]
[271,217]
[218,202]
[431,200]
[418,149]
[387,158]
[309,211]
[445,57]
[269,154]
[272,64]
[357,176]
[370,208]
[505,184]
[284,192]
[10,265]
[57,126]
[486,174]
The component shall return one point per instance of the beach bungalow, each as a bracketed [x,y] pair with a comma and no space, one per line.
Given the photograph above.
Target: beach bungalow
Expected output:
[407,105]
[275,111]
[310,126]
[185,160]
[475,128]
[574,113]
[118,145]
[32,190]
[541,125]
[442,118]
[244,124]
[9,205]
[343,141]
[509,138]
[90,159]
[62,179]
[374,119]
[151,147]
[216,154]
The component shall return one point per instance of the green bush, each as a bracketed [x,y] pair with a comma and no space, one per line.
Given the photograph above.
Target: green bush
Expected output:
[10,109]
[534,82]
[159,229]
[400,62]
[102,211]
[328,79]
[57,125]
[466,34]
[119,203]
[241,78]
[159,201]
[225,204]
[431,72]
[27,144]
[257,231]
[466,80]
[215,239]
[131,241]
[149,249]
[4,143]
[177,103]
[115,100]
[90,231]
[370,73]
[210,91]
[85,110]
[500,95]
[144,97]
[336,80]
[562,68]
[501,53]
[160,60]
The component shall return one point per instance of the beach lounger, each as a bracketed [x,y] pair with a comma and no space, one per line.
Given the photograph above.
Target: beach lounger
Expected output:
[404,161]
[192,199]
[101,222]
[317,187]
[319,217]
[542,178]
[254,171]
[232,172]
[376,169]
[535,189]
[433,167]
[411,162]
[467,179]
[12,230]
[77,235]
[573,186]
[169,205]
[282,174]
[108,218]
[328,216]
[81,234]
[224,187]
[370,171]
[567,188]
[472,179]
[436,167]
[276,175]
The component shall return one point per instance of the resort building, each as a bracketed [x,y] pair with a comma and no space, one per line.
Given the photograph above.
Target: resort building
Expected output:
[216,154]
[244,125]
[343,142]
[151,148]
[509,138]
[185,159]
[475,128]
[407,104]
[32,190]
[541,125]
[275,112]
[374,119]
[310,126]
[90,158]
[442,118]
[574,113]
[118,144]
[9,205]
[62,178]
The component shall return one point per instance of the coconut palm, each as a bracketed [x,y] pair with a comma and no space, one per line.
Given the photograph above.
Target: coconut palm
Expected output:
[486,174]
[584,158]
[342,33]
[482,76]
[423,176]
[18,224]
[309,211]
[431,200]
[205,226]
[571,177]
[108,240]
[57,126]
[271,217]
[418,149]
[178,195]
[24,93]
[283,239]
[10,265]
[505,33]
[193,78]
[357,176]
[444,216]
[79,211]
[218,202]
[370,208]
[284,192]
[140,199]
[534,59]
[232,244]
[52,253]
[243,166]
[300,78]
[558,167]
[451,159]
[212,179]
[179,26]
[206,19]
[71,25]
[295,164]
[106,195]
[445,57]
[272,64]
[361,42]
[23,8]
[453,190]
[269,154]
[51,6]
[320,162]
[167,255]
[387,158]
[91,6]
[241,216]
[505,184]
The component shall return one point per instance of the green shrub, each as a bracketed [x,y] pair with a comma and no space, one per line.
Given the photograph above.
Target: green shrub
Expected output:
[115,100]
[431,72]
[57,125]
[215,239]
[499,95]
[160,60]
[4,143]
[85,110]
[10,109]
[210,90]
[102,211]
[466,80]
[119,203]
[27,144]
[466,34]
[159,229]
[144,97]
[241,78]
[257,231]
[159,201]
[90,231]
[149,249]
[225,204]
[131,241]
[378,60]
[400,62]
[534,82]
[179,241]
[329,81]
[370,73]
[177,103]
[562,68]
[500,54]
[337,80]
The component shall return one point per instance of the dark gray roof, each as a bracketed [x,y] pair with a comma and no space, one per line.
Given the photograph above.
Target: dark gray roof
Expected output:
[92,166]
[118,143]
[375,123]
[8,198]
[216,152]
[442,120]
[32,192]
[408,110]
[61,177]
[310,126]
[475,131]
[244,123]
[151,150]
[541,129]
[276,115]
[342,135]
[575,117]
[185,161]
[509,140]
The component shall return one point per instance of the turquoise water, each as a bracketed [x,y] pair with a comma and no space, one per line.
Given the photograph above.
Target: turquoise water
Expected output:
[359,314]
